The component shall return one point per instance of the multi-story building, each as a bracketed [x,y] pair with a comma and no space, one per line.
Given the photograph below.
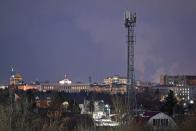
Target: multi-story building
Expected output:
[181,92]
[115,80]
[69,88]
[112,85]
[178,80]
[16,79]
[74,88]
[184,86]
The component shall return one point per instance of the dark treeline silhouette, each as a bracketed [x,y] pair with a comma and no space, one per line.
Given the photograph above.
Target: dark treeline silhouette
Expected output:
[19,114]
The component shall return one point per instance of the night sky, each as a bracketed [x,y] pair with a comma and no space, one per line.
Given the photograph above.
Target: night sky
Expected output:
[46,39]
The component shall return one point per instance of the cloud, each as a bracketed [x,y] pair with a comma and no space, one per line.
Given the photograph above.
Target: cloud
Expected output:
[88,37]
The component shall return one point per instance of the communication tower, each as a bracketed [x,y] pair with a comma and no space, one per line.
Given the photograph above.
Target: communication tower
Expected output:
[130,20]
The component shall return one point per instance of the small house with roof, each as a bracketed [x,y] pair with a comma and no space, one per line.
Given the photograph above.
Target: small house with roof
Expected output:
[156,121]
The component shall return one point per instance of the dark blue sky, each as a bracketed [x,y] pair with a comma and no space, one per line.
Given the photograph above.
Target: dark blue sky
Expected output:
[46,39]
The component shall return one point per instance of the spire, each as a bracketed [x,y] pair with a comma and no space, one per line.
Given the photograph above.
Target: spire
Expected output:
[12,72]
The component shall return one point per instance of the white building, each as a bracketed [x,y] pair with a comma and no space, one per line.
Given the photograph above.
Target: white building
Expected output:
[101,114]
[161,121]
[65,81]
[69,88]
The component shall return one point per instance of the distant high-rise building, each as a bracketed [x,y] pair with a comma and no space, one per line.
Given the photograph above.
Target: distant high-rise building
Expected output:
[184,86]
[178,80]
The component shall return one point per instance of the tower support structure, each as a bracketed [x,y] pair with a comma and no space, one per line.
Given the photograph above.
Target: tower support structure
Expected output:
[130,21]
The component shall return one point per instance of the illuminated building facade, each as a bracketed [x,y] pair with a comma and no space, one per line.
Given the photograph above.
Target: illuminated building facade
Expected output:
[75,88]
[65,81]
[182,93]
[184,86]
[115,80]
[69,88]
[178,80]
[16,79]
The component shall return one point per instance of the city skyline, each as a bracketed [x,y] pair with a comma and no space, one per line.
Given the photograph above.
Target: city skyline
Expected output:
[48,39]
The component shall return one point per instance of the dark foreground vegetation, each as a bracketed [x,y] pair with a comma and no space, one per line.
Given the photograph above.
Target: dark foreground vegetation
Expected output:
[20,115]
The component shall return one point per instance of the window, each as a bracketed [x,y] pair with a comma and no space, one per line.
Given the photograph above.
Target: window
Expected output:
[164,122]
[156,122]
[160,122]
